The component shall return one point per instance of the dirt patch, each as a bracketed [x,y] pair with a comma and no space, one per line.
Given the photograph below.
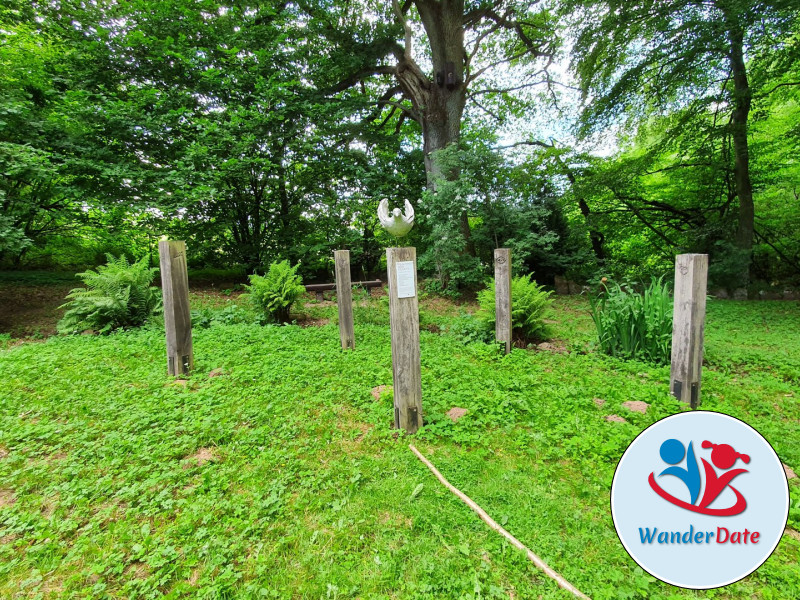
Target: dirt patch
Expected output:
[3,452]
[377,391]
[7,498]
[636,406]
[456,413]
[201,457]
[32,311]
[194,578]
[792,534]
[558,346]
[598,402]
[310,322]
[615,419]
[216,372]
[789,473]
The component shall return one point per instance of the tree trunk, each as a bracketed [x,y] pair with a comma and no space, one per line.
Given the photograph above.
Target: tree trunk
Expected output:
[741,166]
[439,102]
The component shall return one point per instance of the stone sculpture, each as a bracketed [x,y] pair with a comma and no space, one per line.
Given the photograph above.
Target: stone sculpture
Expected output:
[396,223]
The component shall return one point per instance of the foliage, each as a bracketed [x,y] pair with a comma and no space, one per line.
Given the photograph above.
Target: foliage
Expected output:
[267,479]
[274,294]
[468,329]
[232,314]
[117,295]
[510,205]
[634,325]
[531,306]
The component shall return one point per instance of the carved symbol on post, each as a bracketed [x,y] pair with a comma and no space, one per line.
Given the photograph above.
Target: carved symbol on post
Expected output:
[500,260]
[684,269]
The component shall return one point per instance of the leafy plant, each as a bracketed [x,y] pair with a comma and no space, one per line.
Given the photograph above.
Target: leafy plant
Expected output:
[117,295]
[530,305]
[469,328]
[633,325]
[229,315]
[274,293]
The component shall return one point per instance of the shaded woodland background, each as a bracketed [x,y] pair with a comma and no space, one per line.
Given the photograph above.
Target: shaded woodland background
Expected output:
[594,138]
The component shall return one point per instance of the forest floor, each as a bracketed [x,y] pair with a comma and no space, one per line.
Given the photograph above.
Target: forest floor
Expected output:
[273,471]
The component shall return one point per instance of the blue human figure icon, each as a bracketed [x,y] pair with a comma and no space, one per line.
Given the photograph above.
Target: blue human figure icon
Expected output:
[672,452]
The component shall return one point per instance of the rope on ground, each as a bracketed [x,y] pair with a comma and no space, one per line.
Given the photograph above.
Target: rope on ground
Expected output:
[563,583]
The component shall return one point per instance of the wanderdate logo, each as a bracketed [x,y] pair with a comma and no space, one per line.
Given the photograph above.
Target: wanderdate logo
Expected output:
[699,500]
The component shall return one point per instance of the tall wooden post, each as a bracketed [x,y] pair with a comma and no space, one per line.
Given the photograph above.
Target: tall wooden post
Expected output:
[401,265]
[344,299]
[502,296]
[177,319]
[688,324]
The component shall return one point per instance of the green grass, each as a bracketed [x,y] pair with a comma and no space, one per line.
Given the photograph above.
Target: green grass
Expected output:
[282,478]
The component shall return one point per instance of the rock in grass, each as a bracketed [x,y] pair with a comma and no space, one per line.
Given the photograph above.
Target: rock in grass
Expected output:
[789,473]
[615,419]
[598,402]
[377,391]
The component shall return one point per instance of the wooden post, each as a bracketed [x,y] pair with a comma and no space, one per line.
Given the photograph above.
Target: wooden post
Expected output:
[177,319]
[344,299]
[401,266]
[502,296]
[688,324]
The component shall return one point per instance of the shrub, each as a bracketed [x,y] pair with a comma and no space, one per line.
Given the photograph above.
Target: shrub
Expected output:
[231,314]
[117,295]
[633,325]
[274,293]
[530,306]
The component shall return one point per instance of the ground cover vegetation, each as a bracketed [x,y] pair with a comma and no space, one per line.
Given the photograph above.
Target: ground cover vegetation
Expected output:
[273,470]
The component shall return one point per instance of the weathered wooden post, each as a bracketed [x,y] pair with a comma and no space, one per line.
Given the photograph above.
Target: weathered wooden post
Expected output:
[502,296]
[688,324]
[177,319]
[401,265]
[344,299]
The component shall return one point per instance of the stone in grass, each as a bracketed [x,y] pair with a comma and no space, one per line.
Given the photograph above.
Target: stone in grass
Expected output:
[615,419]
[177,383]
[789,473]
[598,402]
[217,372]
[377,391]
[636,406]
[456,413]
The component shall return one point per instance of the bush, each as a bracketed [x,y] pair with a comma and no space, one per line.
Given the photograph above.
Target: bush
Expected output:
[274,294]
[468,328]
[117,295]
[530,306]
[233,314]
[634,325]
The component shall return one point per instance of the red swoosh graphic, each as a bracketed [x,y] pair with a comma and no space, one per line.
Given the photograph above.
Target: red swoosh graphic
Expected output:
[737,508]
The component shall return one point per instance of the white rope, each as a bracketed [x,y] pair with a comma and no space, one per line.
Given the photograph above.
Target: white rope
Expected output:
[563,583]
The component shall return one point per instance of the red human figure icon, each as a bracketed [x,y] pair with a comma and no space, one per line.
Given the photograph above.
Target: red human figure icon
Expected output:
[724,457]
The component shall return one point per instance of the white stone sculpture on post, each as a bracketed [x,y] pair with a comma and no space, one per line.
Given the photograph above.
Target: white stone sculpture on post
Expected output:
[401,265]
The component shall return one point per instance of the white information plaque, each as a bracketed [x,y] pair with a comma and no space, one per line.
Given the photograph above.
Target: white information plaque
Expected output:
[405,279]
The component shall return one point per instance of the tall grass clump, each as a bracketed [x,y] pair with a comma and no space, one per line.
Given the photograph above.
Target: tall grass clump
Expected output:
[633,325]
[530,306]
[274,294]
[117,295]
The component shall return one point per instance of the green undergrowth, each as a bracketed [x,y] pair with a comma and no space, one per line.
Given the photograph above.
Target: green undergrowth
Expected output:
[281,477]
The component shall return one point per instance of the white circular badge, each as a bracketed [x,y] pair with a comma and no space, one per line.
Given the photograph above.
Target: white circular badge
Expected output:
[699,500]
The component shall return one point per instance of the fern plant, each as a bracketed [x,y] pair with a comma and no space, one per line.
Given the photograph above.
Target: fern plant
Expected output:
[530,306]
[633,325]
[117,295]
[274,294]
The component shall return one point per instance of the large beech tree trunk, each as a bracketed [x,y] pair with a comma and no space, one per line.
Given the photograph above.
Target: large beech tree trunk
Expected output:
[742,98]
[439,101]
